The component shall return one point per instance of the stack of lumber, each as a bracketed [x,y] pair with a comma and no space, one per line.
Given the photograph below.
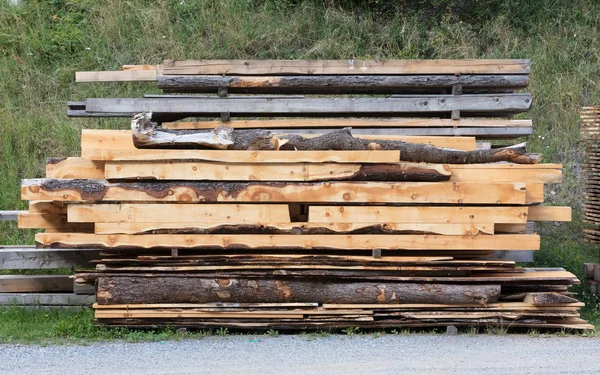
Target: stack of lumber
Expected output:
[305,223]
[590,135]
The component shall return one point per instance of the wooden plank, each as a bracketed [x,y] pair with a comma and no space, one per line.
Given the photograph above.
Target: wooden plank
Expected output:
[285,241]
[9,215]
[36,283]
[276,192]
[47,207]
[529,175]
[182,213]
[534,193]
[197,171]
[74,168]
[228,305]
[116,76]
[46,299]
[201,106]
[20,257]
[291,228]
[357,214]
[549,213]
[353,67]
[342,84]
[349,122]
[50,221]
[505,306]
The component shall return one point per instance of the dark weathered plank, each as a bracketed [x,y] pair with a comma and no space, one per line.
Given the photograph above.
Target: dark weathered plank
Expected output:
[46,299]
[473,104]
[36,283]
[20,257]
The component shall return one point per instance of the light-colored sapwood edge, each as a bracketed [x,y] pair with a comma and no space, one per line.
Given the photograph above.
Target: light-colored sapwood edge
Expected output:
[296,192]
[358,214]
[342,242]
[134,75]
[445,229]
[549,213]
[354,67]
[181,213]
[344,123]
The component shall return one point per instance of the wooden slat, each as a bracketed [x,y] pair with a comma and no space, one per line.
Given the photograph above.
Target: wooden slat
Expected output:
[190,170]
[50,221]
[548,213]
[357,214]
[276,192]
[20,257]
[47,207]
[35,283]
[354,67]
[529,175]
[467,104]
[9,215]
[200,227]
[182,213]
[75,168]
[349,122]
[46,299]
[227,305]
[332,241]
[116,76]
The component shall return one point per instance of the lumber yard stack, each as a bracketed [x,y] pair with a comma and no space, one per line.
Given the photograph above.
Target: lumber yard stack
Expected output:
[287,210]
[590,135]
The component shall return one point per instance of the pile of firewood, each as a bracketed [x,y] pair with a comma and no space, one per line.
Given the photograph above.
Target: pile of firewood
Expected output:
[293,212]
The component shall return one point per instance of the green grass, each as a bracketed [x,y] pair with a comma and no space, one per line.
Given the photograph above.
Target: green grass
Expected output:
[43,43]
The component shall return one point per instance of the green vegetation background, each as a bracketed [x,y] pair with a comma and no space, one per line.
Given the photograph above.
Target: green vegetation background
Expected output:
[43,43]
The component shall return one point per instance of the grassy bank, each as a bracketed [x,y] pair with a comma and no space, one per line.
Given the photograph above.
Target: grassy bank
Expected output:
[43,43]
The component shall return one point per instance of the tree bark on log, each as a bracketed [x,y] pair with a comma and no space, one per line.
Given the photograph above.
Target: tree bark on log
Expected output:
[146,134]
[133,290]
[410,84]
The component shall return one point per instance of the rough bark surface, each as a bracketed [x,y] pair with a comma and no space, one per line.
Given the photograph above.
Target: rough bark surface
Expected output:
[116,290]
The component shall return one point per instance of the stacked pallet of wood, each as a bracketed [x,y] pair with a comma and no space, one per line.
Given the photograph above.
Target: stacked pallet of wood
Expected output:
[590,135]
[303,223]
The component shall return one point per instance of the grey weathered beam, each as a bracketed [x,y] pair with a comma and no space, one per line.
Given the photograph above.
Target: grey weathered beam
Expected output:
[36,283]
[21,257]
[9,215]
[368,84]
[46,299]
[473,104]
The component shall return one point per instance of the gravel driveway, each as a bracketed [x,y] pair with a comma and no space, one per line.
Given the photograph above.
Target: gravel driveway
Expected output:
[336,354]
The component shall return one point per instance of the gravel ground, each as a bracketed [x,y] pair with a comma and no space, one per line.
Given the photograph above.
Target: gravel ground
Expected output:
[336,354]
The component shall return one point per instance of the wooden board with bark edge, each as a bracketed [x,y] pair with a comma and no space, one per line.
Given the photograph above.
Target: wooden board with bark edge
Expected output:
[353,67]
[349,122]
[123,139]
[189,170]
[298,227]
[285,241]
[182,213]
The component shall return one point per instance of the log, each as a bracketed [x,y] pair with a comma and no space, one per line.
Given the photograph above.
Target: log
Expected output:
[409,84]
[147,135]
[276,192]
[133,290]
[353,67]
